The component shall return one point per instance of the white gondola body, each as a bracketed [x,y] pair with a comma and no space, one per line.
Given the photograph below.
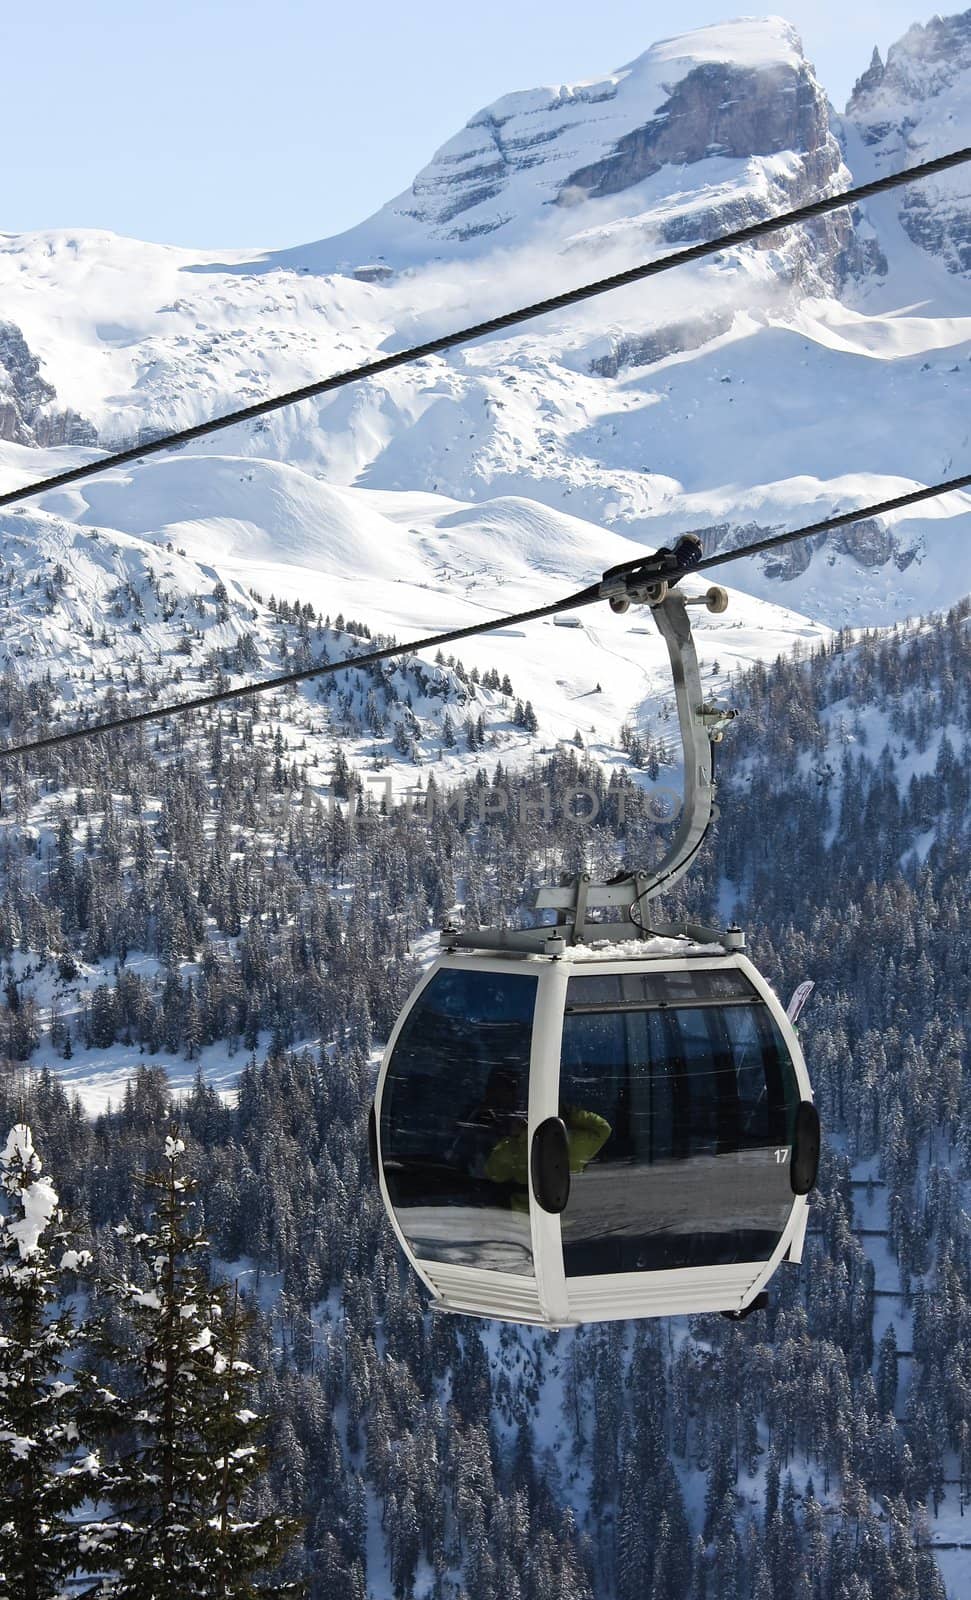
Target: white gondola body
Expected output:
[541,1288]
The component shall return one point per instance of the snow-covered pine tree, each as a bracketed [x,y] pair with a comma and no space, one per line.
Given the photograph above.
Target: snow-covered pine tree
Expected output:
[178,1486]
[47,1468]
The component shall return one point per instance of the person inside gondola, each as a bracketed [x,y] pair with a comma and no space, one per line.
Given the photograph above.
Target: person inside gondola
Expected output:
[508,1161]
[498,1116]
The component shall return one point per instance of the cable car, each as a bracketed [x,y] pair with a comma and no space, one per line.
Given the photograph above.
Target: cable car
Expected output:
[605,1117]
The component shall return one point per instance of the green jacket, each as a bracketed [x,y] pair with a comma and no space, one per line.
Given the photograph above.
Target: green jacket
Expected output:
[508,1162]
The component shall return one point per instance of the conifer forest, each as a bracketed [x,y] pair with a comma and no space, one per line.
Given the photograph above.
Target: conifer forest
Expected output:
[803,1451]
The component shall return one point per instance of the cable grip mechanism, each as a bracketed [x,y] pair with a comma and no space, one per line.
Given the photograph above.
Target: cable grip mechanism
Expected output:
[648,580]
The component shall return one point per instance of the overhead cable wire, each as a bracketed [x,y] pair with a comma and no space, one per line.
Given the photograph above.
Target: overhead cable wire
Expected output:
[489,325]
[574,602]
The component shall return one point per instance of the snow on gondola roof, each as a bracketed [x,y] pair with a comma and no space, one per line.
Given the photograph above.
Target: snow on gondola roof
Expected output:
[654,949]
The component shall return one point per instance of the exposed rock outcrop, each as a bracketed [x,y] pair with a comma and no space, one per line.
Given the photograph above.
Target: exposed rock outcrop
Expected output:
[28,414]
[871,543]
[719,109]
[689,333]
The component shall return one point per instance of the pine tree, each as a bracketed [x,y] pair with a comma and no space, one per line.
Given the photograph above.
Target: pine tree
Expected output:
[178,1486]
[887,1371]
[47,1411]
[340,778]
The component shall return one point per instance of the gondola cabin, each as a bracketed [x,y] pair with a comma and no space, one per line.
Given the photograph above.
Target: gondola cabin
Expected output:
[584,1121]
[597,1135]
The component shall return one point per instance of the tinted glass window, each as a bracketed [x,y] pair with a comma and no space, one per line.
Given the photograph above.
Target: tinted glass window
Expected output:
[699,1101]
[694,985]
[453,1121]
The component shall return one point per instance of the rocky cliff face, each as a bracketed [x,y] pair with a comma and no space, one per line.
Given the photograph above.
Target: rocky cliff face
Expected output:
[28,414]
[718,109]
[912,107]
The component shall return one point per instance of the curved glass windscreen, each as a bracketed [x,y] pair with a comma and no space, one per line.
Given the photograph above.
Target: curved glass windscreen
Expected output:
[453,1121]
[690,1081]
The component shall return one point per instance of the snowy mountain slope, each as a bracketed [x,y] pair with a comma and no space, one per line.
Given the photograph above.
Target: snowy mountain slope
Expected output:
[755,392]
[816,738]
[183,546]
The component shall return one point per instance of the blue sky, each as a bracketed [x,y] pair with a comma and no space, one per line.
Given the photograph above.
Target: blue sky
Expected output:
[205,123]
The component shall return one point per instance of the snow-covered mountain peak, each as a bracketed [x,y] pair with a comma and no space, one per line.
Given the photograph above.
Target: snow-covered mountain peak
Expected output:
[919,67]
[915,106]
[638,88]
[741,42]
[741,95]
